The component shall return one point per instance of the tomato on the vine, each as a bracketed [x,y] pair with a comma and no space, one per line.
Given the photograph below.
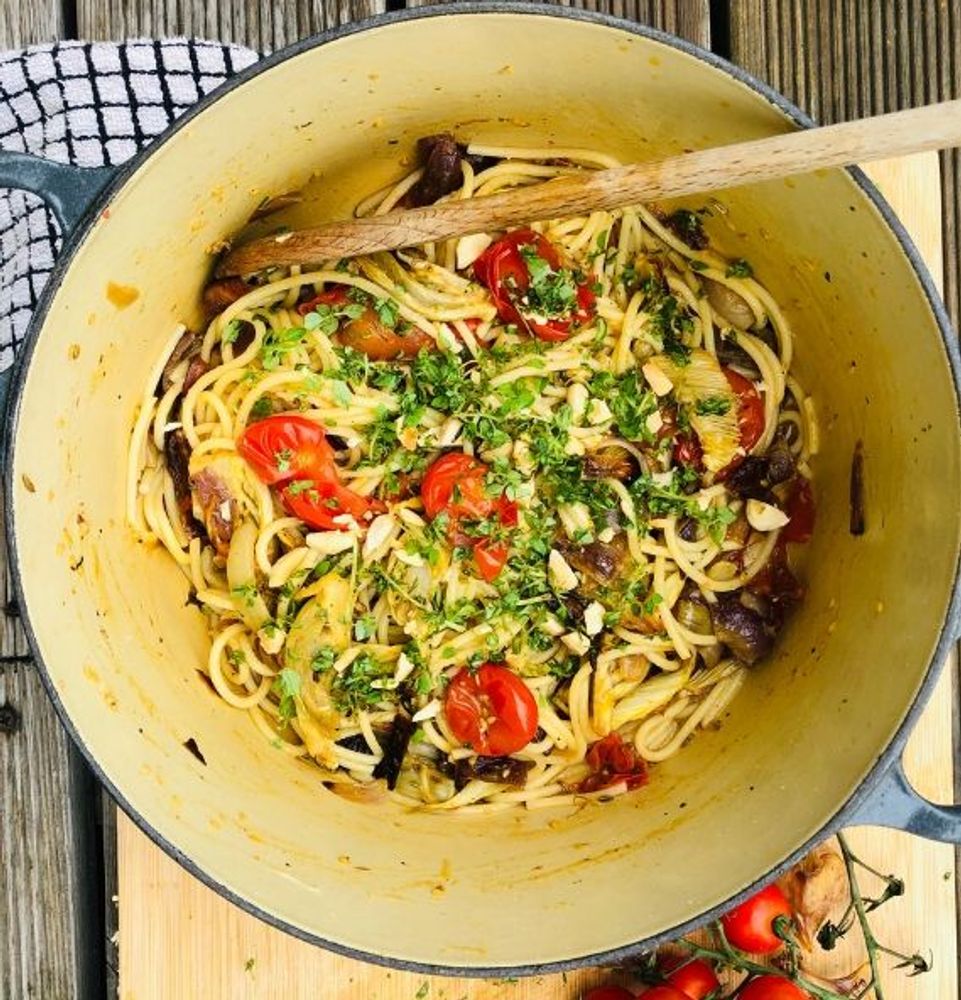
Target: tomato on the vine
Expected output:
[772,988]
[502,267]
[608,993]
[664,992]
[491,710]
[750,926]
[695,979]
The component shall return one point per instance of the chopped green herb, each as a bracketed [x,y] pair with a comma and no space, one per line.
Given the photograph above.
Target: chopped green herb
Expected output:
[231,333]
[739,268]
[550,293]
[279,343]
[712,406]
[287,686]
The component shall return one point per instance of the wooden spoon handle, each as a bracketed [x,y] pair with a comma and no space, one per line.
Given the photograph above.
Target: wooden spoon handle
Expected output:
[936,126]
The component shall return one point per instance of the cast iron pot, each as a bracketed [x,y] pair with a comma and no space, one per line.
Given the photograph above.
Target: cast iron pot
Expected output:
[814,740]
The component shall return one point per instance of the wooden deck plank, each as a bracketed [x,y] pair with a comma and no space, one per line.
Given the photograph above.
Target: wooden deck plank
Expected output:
[690,19]
[26,22]
[841,59]
[259,24]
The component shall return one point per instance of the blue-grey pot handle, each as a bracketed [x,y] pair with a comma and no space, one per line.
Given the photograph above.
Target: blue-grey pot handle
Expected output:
[894,802]
[68,191]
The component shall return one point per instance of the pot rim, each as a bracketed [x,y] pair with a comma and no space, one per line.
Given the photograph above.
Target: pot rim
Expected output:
[887,755]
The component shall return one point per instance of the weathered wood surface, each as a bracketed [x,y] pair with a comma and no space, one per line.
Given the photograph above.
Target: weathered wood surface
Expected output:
[837,58]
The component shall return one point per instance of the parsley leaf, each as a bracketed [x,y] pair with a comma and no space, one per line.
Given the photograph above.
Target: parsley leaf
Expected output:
[550,292]
[279,343]
[712,406]
[287,685]
[739,268]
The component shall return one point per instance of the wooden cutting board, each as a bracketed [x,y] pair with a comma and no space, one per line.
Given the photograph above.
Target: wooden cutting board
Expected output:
[181,941]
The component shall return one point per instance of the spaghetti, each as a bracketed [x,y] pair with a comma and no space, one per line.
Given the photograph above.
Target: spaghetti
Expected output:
[553,470]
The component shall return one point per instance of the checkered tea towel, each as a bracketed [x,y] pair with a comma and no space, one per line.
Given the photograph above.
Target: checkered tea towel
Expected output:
[92,105]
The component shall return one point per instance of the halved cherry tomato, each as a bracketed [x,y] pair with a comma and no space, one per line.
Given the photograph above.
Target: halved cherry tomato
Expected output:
[318,502]
[336,295]
[491,710]
[612,761]
[695,979]
[502,268]
[772,988]
[287,447]
[609,993]
[750,408]
[800,509]
[368,335]
[750,926]
[454,484]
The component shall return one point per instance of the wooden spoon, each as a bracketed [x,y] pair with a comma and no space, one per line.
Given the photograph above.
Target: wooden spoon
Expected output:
[936,126]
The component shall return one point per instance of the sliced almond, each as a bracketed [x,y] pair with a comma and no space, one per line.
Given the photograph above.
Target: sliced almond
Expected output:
[654,422]
[552,626]
[594,618]
[576,642]
[379,536]
[598,412]
[560,574]
[329,543]
[577,397]
[469,248]
[429,711]
[660,384]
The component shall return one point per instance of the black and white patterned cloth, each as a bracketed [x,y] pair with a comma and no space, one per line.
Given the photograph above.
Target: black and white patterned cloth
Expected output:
[92,105]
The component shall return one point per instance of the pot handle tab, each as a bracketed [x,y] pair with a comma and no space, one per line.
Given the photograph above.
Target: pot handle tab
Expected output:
[895,803]
[68,191]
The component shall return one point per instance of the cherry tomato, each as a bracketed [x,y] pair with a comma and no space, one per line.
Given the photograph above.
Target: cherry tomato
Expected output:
[490,558]
[663,992]
[379,342]
[491,710]
[695,978]
[750,926]
[454,484]
[336,295]
[609,993]
[612,761]
[502,268]
[800,509]
[286,447]
[318,502]
[772,988]
[750,408]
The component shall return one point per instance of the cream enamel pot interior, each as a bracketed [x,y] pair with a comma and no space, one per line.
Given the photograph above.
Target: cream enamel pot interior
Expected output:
[814,738]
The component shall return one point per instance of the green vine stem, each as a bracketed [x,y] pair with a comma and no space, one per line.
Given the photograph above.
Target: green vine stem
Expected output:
[724,954]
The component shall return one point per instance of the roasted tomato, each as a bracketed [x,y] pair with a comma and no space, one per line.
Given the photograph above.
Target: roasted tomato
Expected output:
[750,408]
[694,979]
[368,335]
[612,761]
[772,988]
[751,925]
[503,269]
[318,502]
[293,452]
[800,509]
[491,710]
[287,447]
[336,295]
[454,485]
